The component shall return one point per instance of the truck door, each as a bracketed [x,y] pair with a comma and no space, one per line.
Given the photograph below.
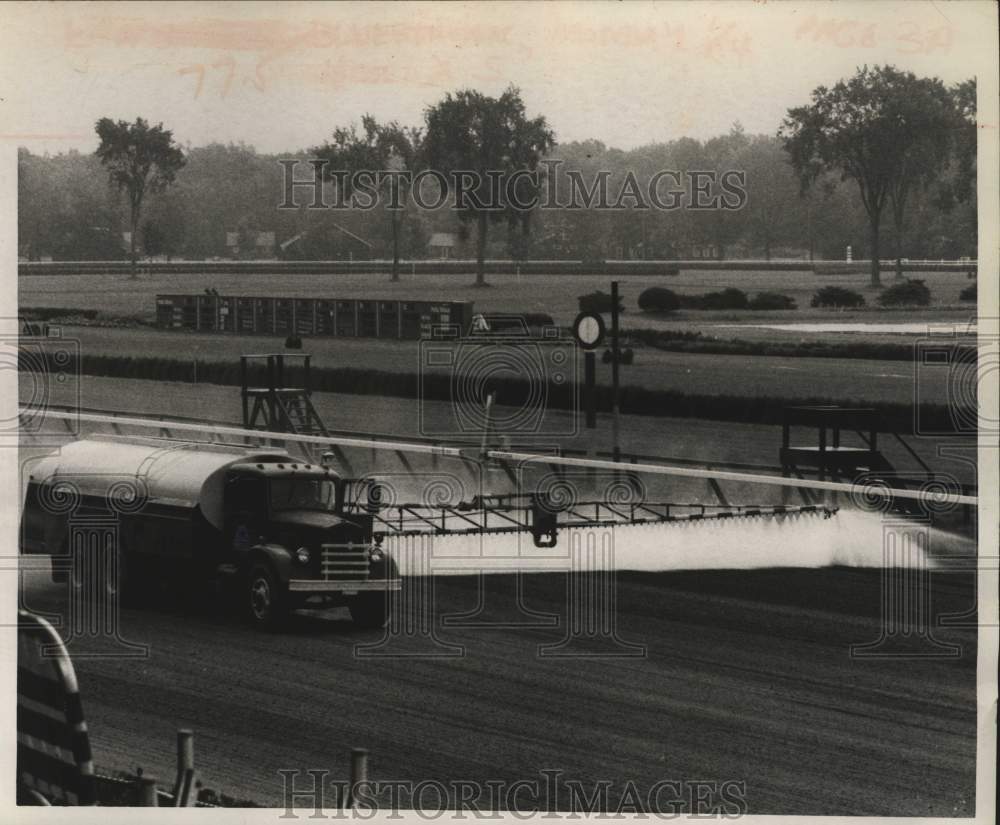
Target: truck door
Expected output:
[246,512]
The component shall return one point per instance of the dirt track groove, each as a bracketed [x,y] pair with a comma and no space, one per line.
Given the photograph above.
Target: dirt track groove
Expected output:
[747,676]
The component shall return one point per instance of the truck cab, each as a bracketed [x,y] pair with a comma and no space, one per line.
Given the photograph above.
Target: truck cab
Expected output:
[301,536]
[278,532]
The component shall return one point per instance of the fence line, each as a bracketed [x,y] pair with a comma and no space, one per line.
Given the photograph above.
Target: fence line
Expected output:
[503,456]
[453,266]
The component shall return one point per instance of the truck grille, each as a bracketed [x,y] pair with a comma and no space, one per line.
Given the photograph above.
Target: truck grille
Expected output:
[339,562]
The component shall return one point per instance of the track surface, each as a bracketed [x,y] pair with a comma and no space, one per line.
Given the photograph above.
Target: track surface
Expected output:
[747,676]
[850,380]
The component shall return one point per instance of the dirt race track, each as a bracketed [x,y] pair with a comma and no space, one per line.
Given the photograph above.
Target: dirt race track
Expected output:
[746,677]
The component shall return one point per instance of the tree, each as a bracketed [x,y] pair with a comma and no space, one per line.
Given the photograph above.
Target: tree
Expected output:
[966,132]
[565,233]
[153,239]
[928,109]
[722,153]
[140,159]
[885,129]
[472,132]
[772,192]
[949,211]
[382,147]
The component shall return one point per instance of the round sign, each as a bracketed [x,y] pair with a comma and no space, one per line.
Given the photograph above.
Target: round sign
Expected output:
[588,329]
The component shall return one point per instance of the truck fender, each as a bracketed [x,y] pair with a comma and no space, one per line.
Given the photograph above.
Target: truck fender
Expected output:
[385,568]
[277,556]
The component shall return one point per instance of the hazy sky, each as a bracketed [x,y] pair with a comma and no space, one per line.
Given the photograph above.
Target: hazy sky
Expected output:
[283,76]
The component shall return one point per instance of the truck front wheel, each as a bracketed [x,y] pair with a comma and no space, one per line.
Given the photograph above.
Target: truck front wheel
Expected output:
[370,610]
[266,600]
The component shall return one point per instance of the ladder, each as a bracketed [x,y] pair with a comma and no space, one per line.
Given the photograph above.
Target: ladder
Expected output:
[269,404]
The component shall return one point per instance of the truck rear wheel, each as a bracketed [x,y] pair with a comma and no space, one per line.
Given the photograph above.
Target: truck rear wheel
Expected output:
[370,610]
[266,601]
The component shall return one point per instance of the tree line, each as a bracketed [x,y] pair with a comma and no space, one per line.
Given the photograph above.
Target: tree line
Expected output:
[880,161]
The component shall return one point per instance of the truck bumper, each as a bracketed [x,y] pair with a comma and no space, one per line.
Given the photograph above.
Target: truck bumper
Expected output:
[346,586]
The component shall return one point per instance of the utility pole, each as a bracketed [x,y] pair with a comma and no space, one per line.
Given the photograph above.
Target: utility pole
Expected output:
[614,371]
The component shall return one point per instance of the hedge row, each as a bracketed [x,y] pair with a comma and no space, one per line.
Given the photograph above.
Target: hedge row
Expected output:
[48,313]
[660,299]
[906,293]
[438,386]
[837,296]
[695,342]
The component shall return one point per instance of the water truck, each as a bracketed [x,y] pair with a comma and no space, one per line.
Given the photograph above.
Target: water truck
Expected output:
[255,523]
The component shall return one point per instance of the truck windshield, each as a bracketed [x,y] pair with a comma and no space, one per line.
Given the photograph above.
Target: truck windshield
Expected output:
[303,494]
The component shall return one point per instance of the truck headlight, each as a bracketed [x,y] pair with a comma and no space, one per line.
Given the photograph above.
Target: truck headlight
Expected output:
[302,555]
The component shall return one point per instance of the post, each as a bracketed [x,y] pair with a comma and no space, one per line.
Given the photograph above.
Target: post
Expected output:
[243,393]
[589,394]
[822,452]
[145,792]
[359,773]
[616,450]
[487,430]
[271,384]
[185,750]
[185,792]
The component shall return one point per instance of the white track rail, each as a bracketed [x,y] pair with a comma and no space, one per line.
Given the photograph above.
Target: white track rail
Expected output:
[931,497]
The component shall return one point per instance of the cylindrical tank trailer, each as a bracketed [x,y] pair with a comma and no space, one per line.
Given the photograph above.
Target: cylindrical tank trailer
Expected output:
[280,532]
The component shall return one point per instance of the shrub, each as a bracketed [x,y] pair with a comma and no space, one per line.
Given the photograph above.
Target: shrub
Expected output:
[907,293]
[658,299]
[517,323]
[969,294]
[772,300]
[729,298]
[837,296]
[625,356]
[538,319]
[598,301]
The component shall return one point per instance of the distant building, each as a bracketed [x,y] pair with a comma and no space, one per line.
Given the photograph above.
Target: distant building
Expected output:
[441,244]
[701,250]
[250,244]
[330,241]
